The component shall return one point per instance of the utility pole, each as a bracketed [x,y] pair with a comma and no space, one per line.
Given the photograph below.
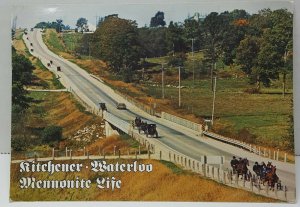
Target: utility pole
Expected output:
[89,50]
[162,81]
[143,71]
[214,98]
[173,49]
[213,68]
[284,72]
[193,62]
[97,21]
[179,88]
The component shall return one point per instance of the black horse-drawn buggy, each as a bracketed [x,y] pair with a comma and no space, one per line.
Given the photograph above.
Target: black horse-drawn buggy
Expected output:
[151,130]
[148,129]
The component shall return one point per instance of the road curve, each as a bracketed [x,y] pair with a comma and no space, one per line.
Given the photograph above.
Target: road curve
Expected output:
[177,138]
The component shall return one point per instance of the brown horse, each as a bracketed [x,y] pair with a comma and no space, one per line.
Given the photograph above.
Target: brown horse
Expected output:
[242,168]
[271,178]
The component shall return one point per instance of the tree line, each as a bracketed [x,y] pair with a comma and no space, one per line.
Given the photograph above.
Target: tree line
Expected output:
[261,44]
[57,25]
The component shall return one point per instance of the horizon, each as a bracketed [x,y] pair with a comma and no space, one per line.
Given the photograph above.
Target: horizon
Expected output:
[141,12]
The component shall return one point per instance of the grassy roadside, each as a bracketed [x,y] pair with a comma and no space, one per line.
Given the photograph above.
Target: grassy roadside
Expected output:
[162,184]
[43,78]
[261,119]
[79,127]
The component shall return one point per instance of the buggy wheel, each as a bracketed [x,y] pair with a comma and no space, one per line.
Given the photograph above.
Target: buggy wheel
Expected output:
[156,134]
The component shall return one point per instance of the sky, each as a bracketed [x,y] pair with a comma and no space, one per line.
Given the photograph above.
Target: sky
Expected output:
[30,12]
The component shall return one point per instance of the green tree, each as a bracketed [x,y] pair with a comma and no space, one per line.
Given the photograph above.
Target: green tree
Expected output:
[193,30]
[268,64]
[234,28]
[213,25]
[158,20]
[21,69]
[289,139]
[258,60]
[21,76]
[19,97]
[116,41]
[84,44]
[259,22]
[280,36]
[59,25]
[52,134]
[82,25]
[153,41]
[53,25]
[267,50]
[246,54]
[175,38]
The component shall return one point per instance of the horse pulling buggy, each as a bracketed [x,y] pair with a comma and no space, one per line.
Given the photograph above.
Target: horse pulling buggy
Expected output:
[264,174]
[148,129]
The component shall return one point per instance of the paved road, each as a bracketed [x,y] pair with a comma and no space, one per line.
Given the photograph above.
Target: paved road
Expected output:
[178,138]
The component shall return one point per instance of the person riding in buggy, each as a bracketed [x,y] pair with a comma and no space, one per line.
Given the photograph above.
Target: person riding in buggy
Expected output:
[234,162]
[239,167]
[267,174]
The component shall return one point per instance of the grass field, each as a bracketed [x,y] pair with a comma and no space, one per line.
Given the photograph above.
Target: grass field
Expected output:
[166,182]
[53,40]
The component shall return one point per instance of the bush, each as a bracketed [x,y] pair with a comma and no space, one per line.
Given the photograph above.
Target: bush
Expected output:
[177,60]
[52,134]
[19,143]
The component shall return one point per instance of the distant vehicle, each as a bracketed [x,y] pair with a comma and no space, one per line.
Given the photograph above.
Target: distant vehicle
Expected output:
[25,32]
[151,130]
[31,29]
[48,64]
[31,44]
[31,50]
[27,38]
[51,62]
[121,106]
[58,68]
[103,106]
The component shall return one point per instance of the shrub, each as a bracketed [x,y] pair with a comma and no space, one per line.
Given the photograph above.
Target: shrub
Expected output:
[52,134]
[19,143]
[177,60]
